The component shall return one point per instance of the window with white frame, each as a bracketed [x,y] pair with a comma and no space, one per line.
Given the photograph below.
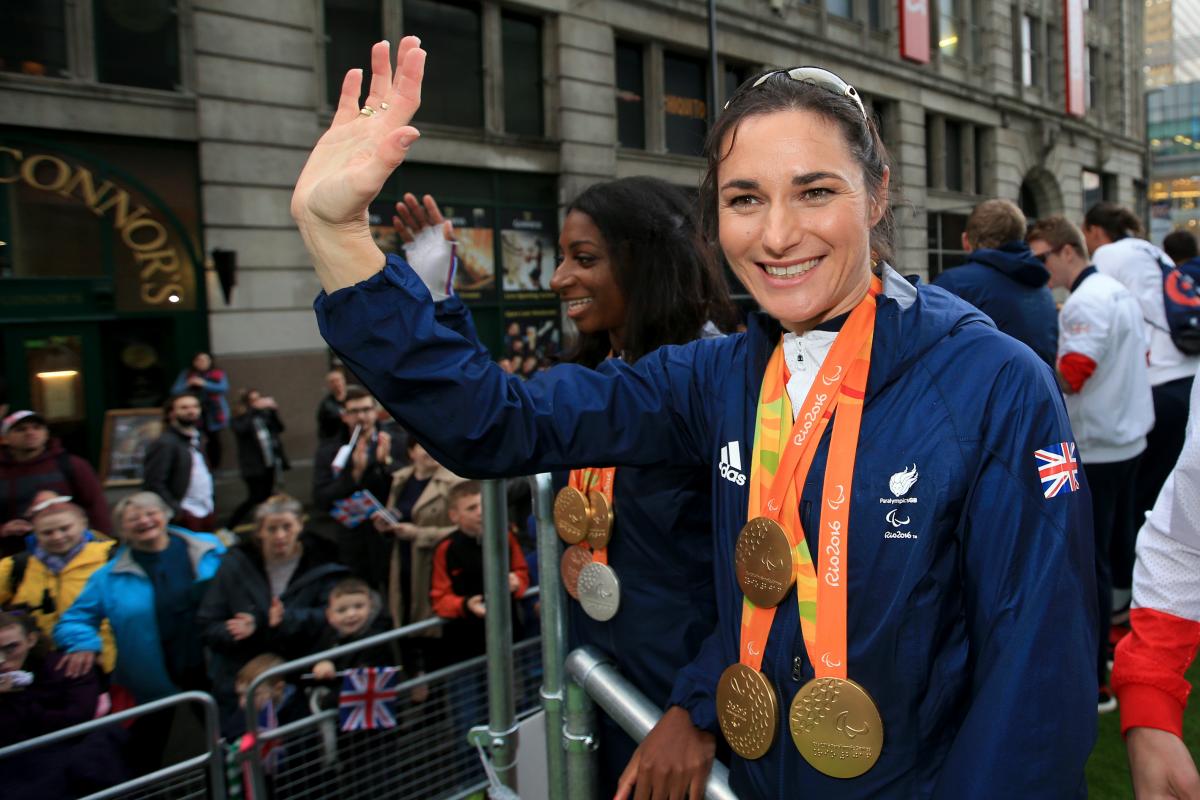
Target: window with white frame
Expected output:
[1031,57]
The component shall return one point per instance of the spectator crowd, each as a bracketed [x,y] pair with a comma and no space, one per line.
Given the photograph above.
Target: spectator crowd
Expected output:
[104,610]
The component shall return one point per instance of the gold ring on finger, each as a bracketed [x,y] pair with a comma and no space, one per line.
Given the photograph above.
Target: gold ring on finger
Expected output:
[367,111]
[384,106]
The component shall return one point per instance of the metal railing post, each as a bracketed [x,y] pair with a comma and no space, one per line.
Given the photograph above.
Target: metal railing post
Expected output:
[497,599]
[629,708]
[579,740]
[554,634]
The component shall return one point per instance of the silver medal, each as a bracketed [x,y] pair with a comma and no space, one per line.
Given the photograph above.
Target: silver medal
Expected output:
[599,591]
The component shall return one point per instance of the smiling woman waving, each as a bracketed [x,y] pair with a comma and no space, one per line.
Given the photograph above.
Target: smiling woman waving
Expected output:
[940,651]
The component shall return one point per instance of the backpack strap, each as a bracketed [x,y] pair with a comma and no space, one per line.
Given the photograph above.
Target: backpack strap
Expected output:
[17,576]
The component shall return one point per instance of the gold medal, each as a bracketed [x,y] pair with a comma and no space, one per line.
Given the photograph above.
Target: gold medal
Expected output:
[747,710]
[571,515]
[763,562]
[600,523]
[574,559]
[836,727]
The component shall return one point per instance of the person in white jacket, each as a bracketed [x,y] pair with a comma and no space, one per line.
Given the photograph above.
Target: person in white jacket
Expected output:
[1148,674]
[1101,368]
[1112,235]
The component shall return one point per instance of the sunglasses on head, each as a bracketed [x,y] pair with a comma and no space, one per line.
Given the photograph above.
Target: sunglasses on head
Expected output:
[817,76]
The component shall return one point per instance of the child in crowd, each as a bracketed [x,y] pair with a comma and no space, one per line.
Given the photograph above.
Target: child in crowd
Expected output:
[354,613]
[282,695]
[457,588]
[276,703]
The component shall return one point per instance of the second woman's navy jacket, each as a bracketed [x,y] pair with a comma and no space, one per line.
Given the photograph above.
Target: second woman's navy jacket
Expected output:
[971,618]
[662,552]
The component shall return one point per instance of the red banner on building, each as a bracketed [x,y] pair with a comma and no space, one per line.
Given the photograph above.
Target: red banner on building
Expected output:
[914,30]
[1073,55]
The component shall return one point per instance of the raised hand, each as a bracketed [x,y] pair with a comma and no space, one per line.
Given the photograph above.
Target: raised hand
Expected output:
[431,256]
[413,217]
[350,163]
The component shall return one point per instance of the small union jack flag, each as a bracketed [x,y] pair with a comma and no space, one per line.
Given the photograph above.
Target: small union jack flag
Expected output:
[1058,468]
[271,749]
[366,698]
[352,511]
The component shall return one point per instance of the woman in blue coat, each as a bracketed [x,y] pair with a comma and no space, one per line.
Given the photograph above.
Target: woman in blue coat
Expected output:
[633,276]
[903,559]
[149,592]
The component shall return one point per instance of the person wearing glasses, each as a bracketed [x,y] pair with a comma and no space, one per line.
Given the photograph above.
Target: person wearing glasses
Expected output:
[365,461]
[902,545]
[1101,369]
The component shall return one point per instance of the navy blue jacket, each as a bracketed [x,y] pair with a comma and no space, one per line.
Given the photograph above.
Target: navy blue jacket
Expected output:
[1009,285]
[974,630]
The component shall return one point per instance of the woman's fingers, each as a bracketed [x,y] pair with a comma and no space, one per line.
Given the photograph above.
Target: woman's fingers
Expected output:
[405,96]
[381,74]
[347,109]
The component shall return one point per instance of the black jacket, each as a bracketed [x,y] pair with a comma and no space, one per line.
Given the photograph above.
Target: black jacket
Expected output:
[167,467]
[251,461]
[329,488]
[329,420]
[241,585]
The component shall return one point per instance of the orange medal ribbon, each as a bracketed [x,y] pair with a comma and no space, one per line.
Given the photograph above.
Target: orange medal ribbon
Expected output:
[598,479]
[780,465]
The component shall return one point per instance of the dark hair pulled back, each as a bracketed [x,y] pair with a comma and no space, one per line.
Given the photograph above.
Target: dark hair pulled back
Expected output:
[670,284]
[780,93]
[1118,222]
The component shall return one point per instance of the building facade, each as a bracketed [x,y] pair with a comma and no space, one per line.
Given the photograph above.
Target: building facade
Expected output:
[1172,71]
[202,115]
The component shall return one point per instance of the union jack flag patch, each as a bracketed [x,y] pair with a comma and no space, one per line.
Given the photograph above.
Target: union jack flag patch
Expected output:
[1058,468]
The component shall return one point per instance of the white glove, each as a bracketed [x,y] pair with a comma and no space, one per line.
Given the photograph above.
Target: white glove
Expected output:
[435,261]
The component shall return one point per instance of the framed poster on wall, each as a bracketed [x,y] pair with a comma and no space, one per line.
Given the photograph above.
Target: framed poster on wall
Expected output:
[127,433]
[528,254]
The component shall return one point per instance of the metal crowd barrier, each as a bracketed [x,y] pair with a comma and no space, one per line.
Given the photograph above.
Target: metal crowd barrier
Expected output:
[201,776]
[425,756]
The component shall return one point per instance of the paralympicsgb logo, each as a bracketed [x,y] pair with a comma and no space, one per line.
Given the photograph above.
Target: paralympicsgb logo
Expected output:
[731,464]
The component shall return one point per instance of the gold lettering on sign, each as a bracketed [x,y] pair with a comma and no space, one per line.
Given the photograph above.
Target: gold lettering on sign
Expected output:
[686,107]
[29,171]
[17,156]
[160,274]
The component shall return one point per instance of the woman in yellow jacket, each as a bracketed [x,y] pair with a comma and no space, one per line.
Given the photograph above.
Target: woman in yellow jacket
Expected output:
[47,579]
